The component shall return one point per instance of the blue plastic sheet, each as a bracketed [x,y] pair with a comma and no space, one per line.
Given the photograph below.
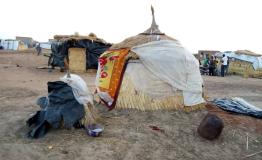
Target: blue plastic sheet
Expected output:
[236,106]
[93,50]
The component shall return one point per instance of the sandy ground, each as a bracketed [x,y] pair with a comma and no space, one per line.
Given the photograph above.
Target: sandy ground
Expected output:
[127,133]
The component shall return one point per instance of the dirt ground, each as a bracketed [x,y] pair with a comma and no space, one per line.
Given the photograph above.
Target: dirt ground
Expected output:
[127,133]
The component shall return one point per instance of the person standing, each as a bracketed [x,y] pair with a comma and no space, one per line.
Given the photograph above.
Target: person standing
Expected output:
[226,70]
[206,65]
[212,66]
[38,49]
[224,65]
[217,63]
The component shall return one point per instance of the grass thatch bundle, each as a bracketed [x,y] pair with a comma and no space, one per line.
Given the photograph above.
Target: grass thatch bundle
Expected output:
[91,115]
[91,36]
[140,39]
[244,68]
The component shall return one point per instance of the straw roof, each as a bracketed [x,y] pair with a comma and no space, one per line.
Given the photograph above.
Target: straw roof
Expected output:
[247,52]
[151,34]
[140,39]
[91,36]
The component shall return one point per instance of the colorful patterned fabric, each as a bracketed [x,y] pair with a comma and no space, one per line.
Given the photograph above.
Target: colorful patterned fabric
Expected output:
[111,69]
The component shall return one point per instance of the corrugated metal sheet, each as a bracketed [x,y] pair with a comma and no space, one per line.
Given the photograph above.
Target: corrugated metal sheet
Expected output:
[45,45]
[10,44]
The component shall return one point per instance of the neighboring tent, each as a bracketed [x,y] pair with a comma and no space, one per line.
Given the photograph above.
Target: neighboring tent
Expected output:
[45,48]
[22,46]
[160,75]
[245,63]
[28,41]
[247,52]
[94,48]
[10,44]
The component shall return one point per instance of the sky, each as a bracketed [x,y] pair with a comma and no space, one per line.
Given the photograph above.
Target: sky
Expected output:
[198,24]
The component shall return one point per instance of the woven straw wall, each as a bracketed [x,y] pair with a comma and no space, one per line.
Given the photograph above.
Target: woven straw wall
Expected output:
[130,98]
[77,60]
[21,47]
[244,69]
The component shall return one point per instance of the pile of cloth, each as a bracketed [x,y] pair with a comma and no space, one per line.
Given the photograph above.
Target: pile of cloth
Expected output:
[64,106]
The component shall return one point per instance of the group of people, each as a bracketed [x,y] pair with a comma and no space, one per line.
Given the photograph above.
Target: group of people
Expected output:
[215,65]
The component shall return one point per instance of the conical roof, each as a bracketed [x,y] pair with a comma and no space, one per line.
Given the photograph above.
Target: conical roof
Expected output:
[151,34]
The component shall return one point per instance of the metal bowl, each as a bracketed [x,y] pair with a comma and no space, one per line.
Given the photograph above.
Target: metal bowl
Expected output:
[94,130]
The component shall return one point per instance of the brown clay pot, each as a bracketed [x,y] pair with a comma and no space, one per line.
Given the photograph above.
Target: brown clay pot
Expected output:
[210,127]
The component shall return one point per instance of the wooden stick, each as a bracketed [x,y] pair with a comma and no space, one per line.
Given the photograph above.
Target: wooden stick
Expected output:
[247,142]
[253,154]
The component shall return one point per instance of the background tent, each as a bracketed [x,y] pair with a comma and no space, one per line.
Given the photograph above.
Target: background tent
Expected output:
[160,75]
[28,41]
[245,63]
[10,44]
[45,48]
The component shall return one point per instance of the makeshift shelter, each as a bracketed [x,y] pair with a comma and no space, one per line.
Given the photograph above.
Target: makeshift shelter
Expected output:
[10,44]
[28,41]
[245,63]
[45,48]
[158,73]
[94,48]
[77,59]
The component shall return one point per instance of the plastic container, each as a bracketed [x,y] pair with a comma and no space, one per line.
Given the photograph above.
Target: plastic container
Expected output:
[94,130]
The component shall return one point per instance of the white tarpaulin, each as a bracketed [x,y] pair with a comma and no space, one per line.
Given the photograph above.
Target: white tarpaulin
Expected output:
[143,80]
[174,65]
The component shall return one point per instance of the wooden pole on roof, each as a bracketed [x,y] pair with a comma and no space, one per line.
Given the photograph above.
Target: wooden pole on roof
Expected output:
[153,30]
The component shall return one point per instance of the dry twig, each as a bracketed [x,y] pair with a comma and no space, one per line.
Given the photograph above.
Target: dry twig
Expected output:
[253,154]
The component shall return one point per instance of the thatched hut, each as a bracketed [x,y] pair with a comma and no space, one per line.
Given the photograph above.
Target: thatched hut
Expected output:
[79,53]
[245,63]
[143,86]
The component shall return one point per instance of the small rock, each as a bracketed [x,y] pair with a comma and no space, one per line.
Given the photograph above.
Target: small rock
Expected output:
[64,152]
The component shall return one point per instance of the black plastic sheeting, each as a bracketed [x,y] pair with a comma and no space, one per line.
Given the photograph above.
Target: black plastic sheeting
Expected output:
[59,106]
[93,50]
[236,107]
